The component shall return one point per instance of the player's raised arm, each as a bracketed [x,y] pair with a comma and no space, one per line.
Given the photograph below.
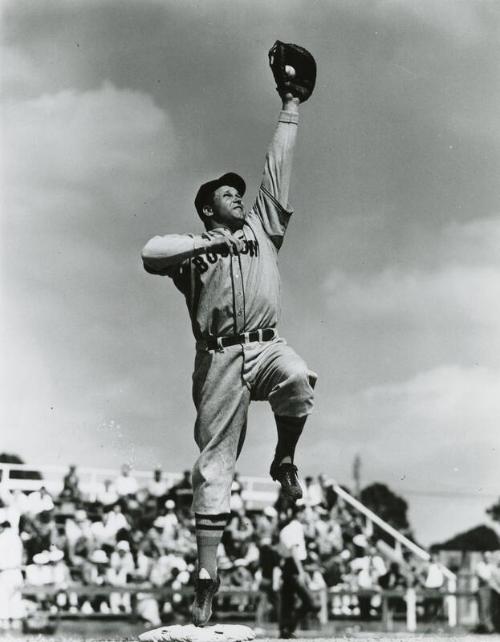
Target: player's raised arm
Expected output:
[294,70]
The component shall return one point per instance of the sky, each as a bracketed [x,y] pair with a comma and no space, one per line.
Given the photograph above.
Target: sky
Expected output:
[114,112]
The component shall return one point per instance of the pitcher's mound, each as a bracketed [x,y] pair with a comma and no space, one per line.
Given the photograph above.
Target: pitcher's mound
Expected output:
[192,633]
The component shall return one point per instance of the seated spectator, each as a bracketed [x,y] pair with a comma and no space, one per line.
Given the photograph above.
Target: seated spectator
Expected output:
[95,573]
[117,519]
[40,501]
[38,573]
[328,534]
[107,494]
[182,492]
[38,532]
[104,530]
[163,571]
[329,494]
[158,487]
[78,528]
[71,486]
[122,561]
[168,522]
[265,523]
[125,483]
[121,567]
[237,504]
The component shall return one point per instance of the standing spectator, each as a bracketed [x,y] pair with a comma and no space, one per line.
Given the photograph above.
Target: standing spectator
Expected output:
[433,580]
[71,486]
[11,578]
[158,487]
[313,493]
[182,492]
[294,579]
[107,494]
[9,510]
[484,572]
[126,484]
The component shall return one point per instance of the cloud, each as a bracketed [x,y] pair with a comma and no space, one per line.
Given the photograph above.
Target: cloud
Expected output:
[448,309]
[81,170]
[85,139]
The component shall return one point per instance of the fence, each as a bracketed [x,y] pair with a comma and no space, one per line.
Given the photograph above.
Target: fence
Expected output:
[410,598]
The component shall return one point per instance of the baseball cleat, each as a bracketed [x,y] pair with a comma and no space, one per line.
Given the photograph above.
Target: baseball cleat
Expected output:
[286,475]
[204,592]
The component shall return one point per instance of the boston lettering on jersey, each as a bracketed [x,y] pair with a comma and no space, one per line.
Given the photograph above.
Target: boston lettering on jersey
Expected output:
[201,262]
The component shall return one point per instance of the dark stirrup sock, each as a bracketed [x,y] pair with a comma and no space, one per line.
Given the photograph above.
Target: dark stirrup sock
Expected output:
[209,530]
[289,431]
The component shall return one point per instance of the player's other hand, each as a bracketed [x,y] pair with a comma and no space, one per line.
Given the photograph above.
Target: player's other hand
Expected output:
[223,242]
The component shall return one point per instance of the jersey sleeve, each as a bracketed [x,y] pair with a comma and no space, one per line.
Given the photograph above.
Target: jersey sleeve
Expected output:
[271,205]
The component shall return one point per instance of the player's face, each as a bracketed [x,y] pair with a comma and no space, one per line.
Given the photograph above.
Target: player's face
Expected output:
[227,207]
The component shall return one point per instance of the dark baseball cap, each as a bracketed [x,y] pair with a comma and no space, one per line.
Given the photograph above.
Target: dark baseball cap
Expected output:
[207,189]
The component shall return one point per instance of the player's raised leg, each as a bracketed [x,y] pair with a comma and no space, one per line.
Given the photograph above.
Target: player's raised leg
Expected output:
[284,379]
[221,399]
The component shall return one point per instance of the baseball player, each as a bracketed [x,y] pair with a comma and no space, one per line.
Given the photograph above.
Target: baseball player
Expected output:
[230,280]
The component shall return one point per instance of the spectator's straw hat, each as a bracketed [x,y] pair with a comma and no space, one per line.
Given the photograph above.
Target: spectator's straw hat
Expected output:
[98,557]
[56,555]
[80,516]
[123,545]
[170,504]
[42,558]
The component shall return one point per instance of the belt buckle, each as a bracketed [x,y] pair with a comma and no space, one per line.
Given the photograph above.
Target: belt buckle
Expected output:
[260,333]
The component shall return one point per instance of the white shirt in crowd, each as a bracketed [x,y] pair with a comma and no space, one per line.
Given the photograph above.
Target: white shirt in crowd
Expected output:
[126,485]
[107,495]
[435,577]
[292,537]
[313,495]
[158,488]
[39,502]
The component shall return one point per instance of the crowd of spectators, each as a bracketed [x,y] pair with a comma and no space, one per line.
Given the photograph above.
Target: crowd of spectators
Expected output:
[127,535]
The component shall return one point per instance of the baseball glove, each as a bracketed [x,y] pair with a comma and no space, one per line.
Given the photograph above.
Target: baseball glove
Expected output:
[294,70]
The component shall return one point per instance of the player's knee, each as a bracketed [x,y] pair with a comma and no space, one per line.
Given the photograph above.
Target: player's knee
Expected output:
[294,397]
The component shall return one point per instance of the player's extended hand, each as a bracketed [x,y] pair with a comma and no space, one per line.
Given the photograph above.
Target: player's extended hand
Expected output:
[223,242]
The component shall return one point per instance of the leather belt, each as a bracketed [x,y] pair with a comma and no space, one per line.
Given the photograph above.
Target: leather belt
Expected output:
[219,343]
